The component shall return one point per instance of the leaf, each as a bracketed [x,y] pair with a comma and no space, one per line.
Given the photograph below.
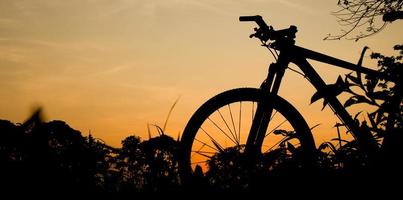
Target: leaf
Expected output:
[218,146]
[324,103]
[286,139]
[356,100]
[159,129]
[332,147]
[371,83]
[291,147]
[362,99]
[280,132]
[314,126]
[339,81]
[337,139]
[322,146]
[382,95]
[350,102]
[338,125]
[149,131]
[379,117]
[371,119]
[356,115]
[375,55]
[318,95]
[329,90]
[353,79]
[178,137]
[169,114]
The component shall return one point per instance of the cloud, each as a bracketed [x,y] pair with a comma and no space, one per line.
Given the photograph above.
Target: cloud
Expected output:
[294,5]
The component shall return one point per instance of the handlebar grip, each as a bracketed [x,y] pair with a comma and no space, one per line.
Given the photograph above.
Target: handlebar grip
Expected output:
[257,18]
[249,18]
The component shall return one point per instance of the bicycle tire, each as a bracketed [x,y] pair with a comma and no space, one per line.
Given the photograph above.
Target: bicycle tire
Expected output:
[233,96]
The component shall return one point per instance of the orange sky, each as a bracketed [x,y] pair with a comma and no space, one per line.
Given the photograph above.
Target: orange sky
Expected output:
[113,66]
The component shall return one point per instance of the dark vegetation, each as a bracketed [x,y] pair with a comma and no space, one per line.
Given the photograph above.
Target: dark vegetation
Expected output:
[363,18]
[43,157]
[38,157]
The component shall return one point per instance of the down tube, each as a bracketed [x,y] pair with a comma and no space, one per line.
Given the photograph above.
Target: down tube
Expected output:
[364,138]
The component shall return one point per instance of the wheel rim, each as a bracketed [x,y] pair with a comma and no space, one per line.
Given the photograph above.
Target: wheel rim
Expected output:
[228,127]
[222,123]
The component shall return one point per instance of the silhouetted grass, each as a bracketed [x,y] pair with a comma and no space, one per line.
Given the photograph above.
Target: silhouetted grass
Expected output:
[51,157]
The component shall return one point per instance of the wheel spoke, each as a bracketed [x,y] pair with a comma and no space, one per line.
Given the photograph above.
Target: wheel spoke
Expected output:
[206,152]
[203,154]
[199,162]
[279,142]
[198,150]
[222,130]
[275,128]
[233,124]
[226,124]
[239,121]
[219,148]
[206,144]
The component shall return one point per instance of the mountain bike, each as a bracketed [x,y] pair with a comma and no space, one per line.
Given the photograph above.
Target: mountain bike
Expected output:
[256,121]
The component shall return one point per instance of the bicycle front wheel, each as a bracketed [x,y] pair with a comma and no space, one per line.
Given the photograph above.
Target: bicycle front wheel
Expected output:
[215,136]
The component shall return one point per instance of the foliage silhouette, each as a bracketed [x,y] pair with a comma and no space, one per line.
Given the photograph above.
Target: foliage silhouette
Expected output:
[366,17]
[386,95]
[42,157]
[52,157]
[149,165]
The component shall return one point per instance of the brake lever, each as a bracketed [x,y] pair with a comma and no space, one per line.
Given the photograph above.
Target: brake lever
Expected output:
[254,34]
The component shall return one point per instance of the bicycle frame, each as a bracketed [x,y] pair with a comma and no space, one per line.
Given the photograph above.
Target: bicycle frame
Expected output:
[298,56]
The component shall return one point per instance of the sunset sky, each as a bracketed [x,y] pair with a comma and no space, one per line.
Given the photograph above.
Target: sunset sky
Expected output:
[113,66]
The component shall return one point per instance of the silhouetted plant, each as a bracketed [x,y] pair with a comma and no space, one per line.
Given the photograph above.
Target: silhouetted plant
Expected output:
[384,93]
[366,16]
[131,164]
[162,163]
[51,157]
[150,165]
[234,169]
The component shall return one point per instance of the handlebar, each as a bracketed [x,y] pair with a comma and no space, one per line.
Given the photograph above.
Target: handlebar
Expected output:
[266,32]
[257,18]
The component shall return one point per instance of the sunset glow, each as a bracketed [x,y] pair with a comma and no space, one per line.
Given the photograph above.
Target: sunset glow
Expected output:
[112,67]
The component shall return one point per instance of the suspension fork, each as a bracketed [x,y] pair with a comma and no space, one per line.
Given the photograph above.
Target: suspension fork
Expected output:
[264,108]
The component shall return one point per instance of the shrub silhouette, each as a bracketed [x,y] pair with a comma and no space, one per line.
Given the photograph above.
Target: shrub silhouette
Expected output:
[149,165]
[161,155]
[385,95]
[52,157]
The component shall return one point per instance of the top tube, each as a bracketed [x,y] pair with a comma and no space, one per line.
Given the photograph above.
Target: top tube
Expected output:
[306,53]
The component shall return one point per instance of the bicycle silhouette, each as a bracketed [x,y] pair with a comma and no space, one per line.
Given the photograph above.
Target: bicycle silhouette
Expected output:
[253,121]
